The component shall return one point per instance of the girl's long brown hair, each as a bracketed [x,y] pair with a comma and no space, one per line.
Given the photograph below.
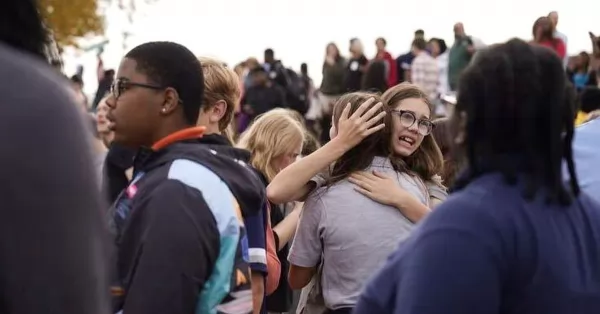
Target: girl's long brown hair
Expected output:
[442,135]
[427,161]
[361,156]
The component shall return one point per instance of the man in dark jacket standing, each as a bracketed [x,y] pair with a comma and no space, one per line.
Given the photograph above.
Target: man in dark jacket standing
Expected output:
[181,243]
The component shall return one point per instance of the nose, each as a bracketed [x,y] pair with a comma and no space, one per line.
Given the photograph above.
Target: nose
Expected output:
[111,101]
[414,127]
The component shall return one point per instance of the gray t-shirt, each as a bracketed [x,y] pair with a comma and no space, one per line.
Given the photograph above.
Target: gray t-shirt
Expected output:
[354,234]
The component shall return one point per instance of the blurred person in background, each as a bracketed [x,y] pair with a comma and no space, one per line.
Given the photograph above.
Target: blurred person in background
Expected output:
[263,95]
[460,55]
[543,35]
[375,80]
[419,33]
[99,149]
[275,69]
[403,62]
[77,84]
[53,243]
[251,64]
[357,66]
[332,86]
[595,44]
[384,55]
[424,70]
[314,113]
[242,119]
[589,102]
[102,123]
[580,72]
[105,80]
[553,16]
[439,51]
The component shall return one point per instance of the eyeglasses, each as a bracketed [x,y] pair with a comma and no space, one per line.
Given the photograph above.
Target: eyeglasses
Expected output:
[119,86]
[408,118]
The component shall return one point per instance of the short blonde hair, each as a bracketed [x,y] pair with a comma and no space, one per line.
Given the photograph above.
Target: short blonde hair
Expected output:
[272,134]
[220,83]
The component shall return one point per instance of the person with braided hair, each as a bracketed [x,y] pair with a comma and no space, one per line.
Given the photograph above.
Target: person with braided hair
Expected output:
[514,238]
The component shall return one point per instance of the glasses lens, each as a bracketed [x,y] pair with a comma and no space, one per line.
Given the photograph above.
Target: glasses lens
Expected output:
[425,127]
[407,119]
[114,89]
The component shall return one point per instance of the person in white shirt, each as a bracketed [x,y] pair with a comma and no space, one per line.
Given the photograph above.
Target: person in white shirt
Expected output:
[424,69]
[553,16]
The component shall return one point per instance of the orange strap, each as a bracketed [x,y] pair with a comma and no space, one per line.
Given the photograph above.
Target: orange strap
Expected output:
[185,134]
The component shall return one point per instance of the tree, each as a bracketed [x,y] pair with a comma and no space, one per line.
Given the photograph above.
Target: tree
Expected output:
[72,19]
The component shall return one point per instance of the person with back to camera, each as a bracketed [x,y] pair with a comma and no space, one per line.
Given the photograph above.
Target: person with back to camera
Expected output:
[52,237]
[513,238]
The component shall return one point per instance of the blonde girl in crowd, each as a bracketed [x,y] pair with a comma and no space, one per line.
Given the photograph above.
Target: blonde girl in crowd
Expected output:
[275,141]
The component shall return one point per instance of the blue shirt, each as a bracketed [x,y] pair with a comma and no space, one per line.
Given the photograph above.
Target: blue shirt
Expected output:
[403,64]
[580,80]
[487,250]
[586,153]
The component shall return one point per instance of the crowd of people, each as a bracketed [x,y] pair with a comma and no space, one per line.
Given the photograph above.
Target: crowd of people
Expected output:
[430,64]
[213,190]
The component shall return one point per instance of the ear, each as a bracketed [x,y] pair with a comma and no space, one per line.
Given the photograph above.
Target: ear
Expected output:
[171,102]
[217,112]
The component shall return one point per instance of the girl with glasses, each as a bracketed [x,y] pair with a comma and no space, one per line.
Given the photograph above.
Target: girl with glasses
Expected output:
[410,144]
[386,162]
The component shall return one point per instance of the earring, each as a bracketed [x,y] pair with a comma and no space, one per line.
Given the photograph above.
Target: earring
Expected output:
[164,110]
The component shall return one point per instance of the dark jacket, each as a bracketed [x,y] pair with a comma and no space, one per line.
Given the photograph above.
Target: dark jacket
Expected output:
[254,214]
[52,237]
[114,180]
[334,78]
[179,232]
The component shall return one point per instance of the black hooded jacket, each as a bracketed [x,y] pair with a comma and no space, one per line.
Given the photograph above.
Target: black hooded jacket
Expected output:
[178,225]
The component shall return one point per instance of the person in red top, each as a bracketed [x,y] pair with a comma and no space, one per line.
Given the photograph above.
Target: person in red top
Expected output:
[382,54]
[543,34]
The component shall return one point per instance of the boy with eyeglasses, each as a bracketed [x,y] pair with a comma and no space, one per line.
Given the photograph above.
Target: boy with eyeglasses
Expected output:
[180,240]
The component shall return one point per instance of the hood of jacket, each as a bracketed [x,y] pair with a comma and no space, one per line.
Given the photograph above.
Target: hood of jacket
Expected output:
[221,145]
[235,172]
